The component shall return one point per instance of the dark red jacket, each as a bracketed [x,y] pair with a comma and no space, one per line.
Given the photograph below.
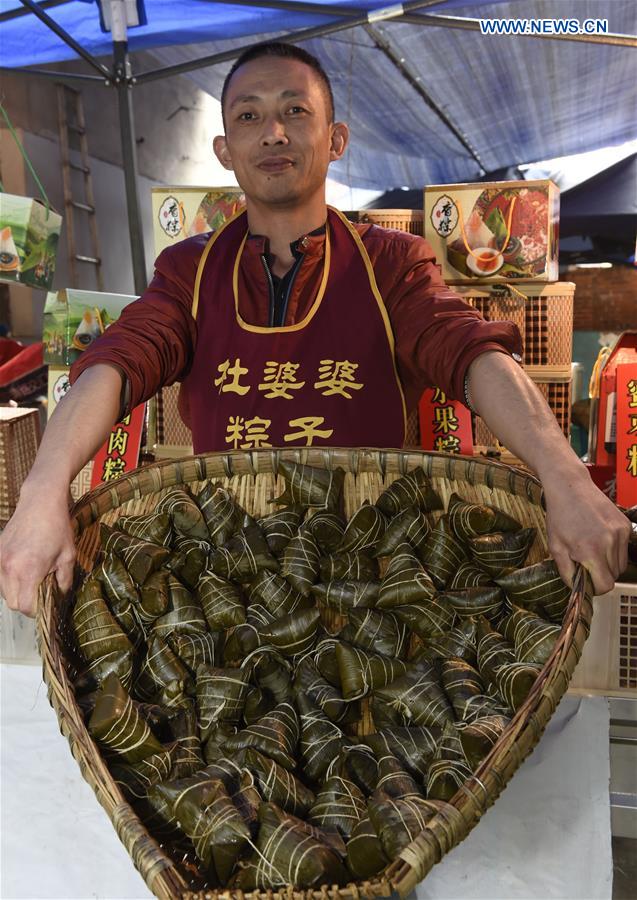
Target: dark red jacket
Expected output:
[437,334]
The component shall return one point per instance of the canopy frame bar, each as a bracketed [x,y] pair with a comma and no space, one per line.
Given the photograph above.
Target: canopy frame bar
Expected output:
[352,19]
[319,9]
[305,34]
[468,24]
[71,77]
[434,20]
[386,47]
[66,37]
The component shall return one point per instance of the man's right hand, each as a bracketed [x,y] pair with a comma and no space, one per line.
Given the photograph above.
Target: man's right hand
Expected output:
[39,537]
[37,540]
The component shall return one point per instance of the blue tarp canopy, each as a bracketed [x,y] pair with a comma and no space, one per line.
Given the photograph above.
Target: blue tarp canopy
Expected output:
[475,103]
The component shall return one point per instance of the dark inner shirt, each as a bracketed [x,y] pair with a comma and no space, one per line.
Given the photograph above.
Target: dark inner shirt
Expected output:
[281,287]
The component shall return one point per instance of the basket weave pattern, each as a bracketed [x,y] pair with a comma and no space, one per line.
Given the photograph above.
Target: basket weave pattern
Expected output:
[170,427]
[252,477]
[544,317]
[19,437]
[410,220]
[558,396]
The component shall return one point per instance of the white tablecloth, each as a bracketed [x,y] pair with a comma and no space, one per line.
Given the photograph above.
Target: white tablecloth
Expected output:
[548,835]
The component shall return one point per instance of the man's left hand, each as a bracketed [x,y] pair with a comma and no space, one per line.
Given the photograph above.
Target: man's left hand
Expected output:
[584,526]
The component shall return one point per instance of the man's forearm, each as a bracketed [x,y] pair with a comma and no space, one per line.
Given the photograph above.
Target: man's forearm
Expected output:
[513,408]
[582,525]
[78,427]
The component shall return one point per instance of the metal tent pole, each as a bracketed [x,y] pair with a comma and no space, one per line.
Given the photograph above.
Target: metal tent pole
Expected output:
[121,80]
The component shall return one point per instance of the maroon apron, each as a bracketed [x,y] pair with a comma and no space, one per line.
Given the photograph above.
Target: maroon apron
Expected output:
[329,380]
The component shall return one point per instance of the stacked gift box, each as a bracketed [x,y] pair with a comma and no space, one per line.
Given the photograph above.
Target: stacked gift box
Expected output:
[497,245]
[73,319]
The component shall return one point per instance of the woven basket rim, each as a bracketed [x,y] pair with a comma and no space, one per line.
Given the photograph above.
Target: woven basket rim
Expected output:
[301,455]
[473,798]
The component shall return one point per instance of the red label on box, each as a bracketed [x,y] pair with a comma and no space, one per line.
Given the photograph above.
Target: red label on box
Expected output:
[120,452]
[623,353]
[627,434]
[444,424]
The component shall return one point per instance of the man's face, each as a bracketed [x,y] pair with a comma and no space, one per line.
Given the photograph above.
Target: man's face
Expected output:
[279,139]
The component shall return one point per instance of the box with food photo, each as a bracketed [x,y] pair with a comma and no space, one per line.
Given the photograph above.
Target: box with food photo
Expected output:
[29,236]
[494,231]
[181,212]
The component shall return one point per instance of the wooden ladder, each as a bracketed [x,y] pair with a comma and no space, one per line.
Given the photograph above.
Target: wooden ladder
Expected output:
[71,122]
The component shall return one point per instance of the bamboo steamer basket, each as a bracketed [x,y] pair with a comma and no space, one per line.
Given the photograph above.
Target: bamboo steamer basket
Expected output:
[252,476]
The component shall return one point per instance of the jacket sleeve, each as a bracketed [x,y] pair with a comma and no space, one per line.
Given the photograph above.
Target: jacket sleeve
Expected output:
[153,341]
[437,334]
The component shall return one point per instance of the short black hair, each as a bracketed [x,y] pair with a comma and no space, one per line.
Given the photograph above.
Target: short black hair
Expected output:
[283,51]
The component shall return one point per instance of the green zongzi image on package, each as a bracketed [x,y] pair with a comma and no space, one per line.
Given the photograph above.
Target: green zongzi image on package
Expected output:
[29,236]
[73,319]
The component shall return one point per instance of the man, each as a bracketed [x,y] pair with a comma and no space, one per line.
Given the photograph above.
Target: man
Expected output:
[291,327]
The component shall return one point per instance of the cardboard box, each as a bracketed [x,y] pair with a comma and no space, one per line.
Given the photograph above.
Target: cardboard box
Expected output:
[494,231]
[29,236]
[73,319]
[181,212]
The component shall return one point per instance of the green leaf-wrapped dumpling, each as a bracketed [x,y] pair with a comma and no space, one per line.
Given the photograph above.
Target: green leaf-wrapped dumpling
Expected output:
[405,580]
[413,489]
[184,513]
[327,528]
[289,851]
[155,527]
[365,528]
[501,553]
[278,785]
[377,632]
[537,587]
[280,527]
[411,525]
[469,520]
[310,486]
[220,512]
[443,554]
[140,557]
[300,563]
[117,726]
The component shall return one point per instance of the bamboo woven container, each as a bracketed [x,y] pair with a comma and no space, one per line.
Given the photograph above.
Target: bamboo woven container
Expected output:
[252,478]
[19,439]
[543,313]
[409,220]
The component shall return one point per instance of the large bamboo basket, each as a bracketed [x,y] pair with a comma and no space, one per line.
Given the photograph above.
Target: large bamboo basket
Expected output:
[252,477]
